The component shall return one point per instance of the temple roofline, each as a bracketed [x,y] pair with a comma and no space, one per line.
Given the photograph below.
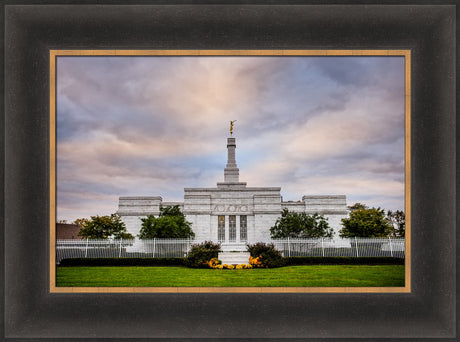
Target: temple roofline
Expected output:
[235,189]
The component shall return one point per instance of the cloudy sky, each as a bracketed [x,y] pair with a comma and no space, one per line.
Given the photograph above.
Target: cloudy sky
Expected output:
[149,126]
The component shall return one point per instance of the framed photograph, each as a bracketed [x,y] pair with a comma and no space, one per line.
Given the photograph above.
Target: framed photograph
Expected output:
[49,45]
[300,112]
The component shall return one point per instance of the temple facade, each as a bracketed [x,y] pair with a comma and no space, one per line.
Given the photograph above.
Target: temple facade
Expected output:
[232,212]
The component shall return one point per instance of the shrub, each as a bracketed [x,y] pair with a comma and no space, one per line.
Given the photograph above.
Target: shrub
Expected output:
[201,253]
[266,254]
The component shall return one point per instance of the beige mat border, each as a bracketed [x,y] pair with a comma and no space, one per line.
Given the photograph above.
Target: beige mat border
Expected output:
[56,53]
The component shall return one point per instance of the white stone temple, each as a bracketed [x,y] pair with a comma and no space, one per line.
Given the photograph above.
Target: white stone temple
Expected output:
[233,213]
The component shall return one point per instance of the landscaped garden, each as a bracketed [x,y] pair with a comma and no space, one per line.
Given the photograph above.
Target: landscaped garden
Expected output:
[201,268]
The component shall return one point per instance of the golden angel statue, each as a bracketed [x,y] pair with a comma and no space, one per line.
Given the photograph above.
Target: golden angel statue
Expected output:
[231,126]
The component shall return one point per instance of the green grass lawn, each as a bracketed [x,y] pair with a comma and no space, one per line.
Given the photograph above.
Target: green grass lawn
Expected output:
[303,276]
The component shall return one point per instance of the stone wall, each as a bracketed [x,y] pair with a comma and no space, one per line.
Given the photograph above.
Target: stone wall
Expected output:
[262,224]
[135,206]
[202,226]
[297,207]
[329,204]
[133,224]
[335,222]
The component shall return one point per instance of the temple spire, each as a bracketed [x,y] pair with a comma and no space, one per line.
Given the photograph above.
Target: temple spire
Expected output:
[231,171]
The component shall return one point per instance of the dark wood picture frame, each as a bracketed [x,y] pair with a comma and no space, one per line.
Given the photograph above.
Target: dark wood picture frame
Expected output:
[54,185]
[33,313]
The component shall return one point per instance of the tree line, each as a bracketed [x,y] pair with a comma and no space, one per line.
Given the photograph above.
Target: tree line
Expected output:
[170,224]
[362,221]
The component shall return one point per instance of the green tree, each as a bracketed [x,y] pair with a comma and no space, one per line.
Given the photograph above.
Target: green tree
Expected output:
[81,222]
[170,224]
[357,206]
[171,210]
[398,220]
[300,225]
[366,222]
[103,227]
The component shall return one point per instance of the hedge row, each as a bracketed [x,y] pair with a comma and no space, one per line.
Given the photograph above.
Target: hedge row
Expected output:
[292,261]
[122,262]
[289,261]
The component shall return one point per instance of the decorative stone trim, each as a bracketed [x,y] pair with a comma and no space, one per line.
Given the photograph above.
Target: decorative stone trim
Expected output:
[258,212]
[267,195]
[201,212]
[247,189]
[122,198]
[324,197]
[137,213]
[197,197]
[165,204]
[327,212]
[138,205]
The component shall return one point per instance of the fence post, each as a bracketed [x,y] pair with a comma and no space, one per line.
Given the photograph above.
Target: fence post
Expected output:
[391,247]
[322,245]
[154,239]
[119,254]
[289,247]
[356,242]
[86,250]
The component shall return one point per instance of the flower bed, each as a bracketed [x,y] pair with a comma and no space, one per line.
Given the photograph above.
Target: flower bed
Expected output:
[253,263]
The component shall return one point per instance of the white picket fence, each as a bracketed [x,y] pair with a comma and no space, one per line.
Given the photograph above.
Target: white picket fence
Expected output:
[161,248]
[349,247]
